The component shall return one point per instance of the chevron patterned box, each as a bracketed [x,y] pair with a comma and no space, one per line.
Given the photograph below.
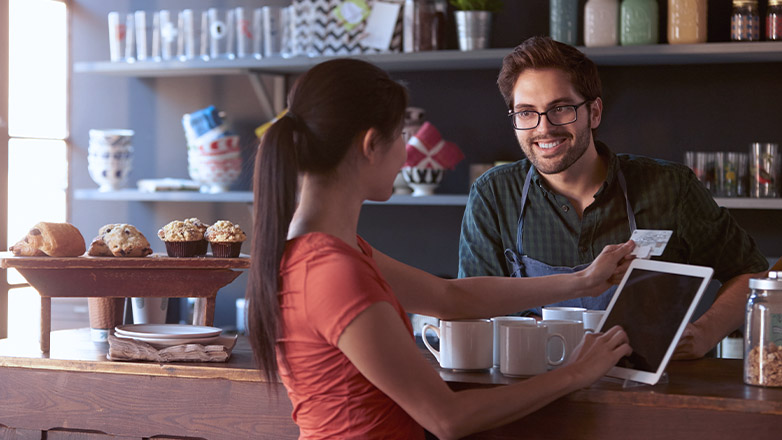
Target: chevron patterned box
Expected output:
[319,30]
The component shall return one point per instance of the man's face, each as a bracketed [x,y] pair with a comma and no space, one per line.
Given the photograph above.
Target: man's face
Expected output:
[551,148]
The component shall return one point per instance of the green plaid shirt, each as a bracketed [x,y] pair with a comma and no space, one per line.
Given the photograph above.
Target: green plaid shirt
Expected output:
[663,195]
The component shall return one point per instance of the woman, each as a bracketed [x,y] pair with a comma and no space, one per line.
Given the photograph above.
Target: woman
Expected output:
[329,310]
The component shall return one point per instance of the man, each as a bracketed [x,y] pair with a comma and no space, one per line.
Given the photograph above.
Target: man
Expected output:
[555,210]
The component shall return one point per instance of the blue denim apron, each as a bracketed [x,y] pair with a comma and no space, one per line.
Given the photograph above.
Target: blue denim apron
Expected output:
[524,266]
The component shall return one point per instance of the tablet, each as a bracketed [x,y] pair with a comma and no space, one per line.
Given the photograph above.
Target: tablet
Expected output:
[653,303]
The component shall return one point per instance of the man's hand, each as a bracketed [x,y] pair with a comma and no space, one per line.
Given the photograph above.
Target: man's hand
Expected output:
[691,345]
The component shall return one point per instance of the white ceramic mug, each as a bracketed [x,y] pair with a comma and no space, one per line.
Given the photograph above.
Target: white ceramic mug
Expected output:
[496,322]
[149,310]
[465,344]
[592,319]
[572,331]
[563,313]
[524,349]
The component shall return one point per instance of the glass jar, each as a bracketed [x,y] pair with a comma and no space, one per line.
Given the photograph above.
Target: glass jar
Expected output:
[638,22]
[563,21]
[774,20]
[745,21]
[763,332]
[687,21]
[601,23]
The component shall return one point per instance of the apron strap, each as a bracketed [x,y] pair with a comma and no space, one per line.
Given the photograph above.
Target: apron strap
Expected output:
[630,215]
[520,224]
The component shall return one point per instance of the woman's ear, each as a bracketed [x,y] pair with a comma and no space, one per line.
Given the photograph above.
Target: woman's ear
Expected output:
[370,145]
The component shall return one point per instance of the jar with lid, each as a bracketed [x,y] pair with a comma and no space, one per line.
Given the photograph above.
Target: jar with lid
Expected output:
[774,20]
[638,22]
[745,21]
[763,332]
[563,21]
[601,23]
[687,21]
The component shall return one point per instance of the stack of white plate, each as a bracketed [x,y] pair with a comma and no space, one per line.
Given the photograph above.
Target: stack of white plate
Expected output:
[167,335]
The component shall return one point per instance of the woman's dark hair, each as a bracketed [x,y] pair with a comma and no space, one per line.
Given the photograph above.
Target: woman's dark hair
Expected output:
[329,108]
[544,53]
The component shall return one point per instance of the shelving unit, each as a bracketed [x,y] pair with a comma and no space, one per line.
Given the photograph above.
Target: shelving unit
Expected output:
[658,54]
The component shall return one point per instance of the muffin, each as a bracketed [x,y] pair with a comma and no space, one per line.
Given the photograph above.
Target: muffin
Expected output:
[119,240]
[225,238]
[203,245]
[181,239]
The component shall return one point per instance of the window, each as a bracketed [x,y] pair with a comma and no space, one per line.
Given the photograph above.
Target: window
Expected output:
[37,132]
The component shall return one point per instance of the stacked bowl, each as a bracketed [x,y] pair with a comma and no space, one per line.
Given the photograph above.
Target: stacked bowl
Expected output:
[216,164]
[110,157]
[213,155]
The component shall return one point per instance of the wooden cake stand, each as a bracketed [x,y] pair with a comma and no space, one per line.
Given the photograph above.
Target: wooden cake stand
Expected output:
[112,277]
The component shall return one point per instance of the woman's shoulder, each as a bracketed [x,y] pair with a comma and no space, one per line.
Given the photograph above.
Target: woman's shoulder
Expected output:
[318,249]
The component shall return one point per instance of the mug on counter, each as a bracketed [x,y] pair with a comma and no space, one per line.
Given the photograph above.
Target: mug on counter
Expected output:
[465,344]
[572,331]
[497,321]
[523,348]
[592,319]
[563,313]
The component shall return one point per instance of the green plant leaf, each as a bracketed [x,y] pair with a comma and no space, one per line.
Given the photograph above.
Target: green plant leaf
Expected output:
[477,5]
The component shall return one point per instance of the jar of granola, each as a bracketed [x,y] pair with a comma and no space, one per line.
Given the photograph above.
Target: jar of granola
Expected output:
[763,332]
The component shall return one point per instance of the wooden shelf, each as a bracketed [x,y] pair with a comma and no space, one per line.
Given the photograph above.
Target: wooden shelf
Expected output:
[749,203]
[656,54]
[132,195]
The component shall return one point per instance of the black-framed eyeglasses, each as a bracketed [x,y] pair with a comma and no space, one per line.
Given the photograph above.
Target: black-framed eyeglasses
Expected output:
[559,115]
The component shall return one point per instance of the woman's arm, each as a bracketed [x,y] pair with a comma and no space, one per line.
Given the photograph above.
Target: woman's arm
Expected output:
[379,345]
[420,292]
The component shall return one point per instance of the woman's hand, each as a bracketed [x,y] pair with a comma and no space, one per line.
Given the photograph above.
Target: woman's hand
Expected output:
[597,353]
[608,268]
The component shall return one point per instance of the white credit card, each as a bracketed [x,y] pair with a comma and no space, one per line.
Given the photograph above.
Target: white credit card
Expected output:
[650,242]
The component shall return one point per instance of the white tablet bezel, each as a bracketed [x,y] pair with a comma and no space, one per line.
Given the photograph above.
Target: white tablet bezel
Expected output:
[705,273]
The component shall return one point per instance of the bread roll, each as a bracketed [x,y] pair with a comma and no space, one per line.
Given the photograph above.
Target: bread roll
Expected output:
[120,240]
[52,239]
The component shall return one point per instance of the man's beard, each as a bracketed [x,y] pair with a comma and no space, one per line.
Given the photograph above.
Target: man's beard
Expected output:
[580,145]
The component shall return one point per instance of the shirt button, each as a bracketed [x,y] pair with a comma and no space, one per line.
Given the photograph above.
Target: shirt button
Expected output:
[565,208]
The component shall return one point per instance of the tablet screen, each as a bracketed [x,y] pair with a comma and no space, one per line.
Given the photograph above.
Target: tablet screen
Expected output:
[651,309]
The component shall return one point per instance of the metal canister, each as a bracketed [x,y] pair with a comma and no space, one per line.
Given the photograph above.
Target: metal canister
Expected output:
[763,332]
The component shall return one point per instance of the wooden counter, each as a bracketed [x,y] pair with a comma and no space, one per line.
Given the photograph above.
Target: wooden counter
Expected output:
[73,392]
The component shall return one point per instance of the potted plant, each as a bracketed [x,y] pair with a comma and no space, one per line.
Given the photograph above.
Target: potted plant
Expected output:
[473,22]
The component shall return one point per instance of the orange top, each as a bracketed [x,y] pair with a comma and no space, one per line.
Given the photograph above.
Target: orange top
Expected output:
[325,284]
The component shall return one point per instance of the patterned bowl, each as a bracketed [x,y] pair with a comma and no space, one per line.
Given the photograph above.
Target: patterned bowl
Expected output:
[423,180]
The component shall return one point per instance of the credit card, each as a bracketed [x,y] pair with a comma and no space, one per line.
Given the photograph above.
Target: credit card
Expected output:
[650,242]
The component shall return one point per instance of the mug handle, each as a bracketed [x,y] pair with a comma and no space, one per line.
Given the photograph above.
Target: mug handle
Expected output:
[564,349]
[436,330]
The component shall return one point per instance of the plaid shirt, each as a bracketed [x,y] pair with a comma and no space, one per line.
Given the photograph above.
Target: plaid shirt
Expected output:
[663,195]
